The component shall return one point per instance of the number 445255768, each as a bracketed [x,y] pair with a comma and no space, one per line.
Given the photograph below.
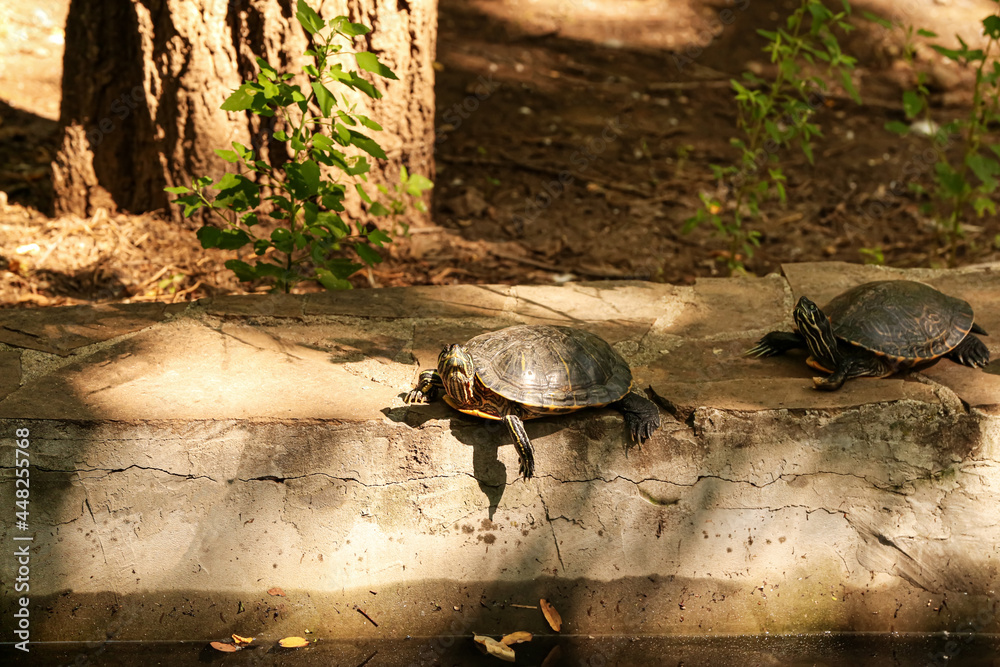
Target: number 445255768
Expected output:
[23,473]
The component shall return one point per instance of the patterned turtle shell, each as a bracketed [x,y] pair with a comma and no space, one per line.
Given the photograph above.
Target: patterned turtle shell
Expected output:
[550,367]
[901,319]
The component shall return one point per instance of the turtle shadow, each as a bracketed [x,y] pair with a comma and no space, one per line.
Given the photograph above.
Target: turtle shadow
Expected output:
[484,436]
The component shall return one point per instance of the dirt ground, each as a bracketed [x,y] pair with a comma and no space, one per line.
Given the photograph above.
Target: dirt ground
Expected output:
[573,140]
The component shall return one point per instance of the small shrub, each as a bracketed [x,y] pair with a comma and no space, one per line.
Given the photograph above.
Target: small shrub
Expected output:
[313,240]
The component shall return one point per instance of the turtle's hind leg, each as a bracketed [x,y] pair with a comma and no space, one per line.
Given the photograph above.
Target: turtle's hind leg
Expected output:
[641,415]
[777,342]
[970,352]
[522,444]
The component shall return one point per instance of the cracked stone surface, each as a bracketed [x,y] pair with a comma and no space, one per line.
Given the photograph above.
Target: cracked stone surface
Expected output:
[183,462]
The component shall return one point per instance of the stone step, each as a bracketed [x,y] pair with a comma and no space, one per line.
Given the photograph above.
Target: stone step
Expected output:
[188,458]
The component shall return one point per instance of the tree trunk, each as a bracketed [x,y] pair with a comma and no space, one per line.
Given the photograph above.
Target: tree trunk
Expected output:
[143,81]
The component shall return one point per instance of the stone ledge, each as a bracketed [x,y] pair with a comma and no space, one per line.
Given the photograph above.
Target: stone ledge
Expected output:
[197,453]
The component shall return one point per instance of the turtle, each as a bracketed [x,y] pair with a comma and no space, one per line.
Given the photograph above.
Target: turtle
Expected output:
[880,328]
[528,371]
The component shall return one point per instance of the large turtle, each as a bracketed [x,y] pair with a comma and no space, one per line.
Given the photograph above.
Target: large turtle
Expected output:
[530,371]
[878,329]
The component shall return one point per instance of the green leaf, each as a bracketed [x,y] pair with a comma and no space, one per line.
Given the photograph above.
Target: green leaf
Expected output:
[991,26]
[368,255]
[232,239]
[177,190]
[845,80]
[364,195]
[913,104]
[926,33]
[360,166]
[191,204]
[417,184]
[333,223]
[330,281]
[897,127]
[949,179]
[378,237]
[228,156]
[885,23]
[370,63]
[355,81]
[368,122]
[984,205]
[241,99]
[265,68]
[951,54]
[308,17]
[807,150]
[209,236]
[985,168]
[322,142]
[283,240]
[237,193]
[378,209]
[367,145]
[303,177]
[244,272]
[345,27]
[324,97]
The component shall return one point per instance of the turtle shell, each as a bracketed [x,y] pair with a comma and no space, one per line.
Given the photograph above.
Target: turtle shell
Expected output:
[550,367]
[903,319]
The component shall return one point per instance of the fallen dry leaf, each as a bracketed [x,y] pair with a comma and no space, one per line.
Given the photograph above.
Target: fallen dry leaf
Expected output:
[551,615]
[516,638]
[493,647]
[293,642]
[224,647]
[553,658]
[276,592]
[239,641]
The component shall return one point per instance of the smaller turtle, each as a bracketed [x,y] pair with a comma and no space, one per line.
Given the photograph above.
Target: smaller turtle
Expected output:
[528,371]
[880,328]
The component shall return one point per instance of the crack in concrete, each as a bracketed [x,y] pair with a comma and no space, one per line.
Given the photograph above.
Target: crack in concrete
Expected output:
[111,471]
[700,478]
[281,480]
[552,528]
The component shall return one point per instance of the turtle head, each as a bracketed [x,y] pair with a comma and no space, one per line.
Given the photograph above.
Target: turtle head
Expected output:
[817,331]
[458,373]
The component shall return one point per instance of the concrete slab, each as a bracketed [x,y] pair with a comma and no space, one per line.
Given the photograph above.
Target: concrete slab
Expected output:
[10,372]
[62,330]
[182,467]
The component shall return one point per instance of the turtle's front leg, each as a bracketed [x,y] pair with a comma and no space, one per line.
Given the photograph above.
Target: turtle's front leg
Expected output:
[429,388]
[641,416]
[522,444]
[777,342]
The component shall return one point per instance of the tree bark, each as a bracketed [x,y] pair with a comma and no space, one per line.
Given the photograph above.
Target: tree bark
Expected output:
[143,81]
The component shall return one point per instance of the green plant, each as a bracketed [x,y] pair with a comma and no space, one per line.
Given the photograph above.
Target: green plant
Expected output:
[970,181]
[774,115]
[873,255]
[305,195]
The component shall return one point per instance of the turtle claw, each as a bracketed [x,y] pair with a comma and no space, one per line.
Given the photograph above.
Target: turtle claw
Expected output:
[415,397]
